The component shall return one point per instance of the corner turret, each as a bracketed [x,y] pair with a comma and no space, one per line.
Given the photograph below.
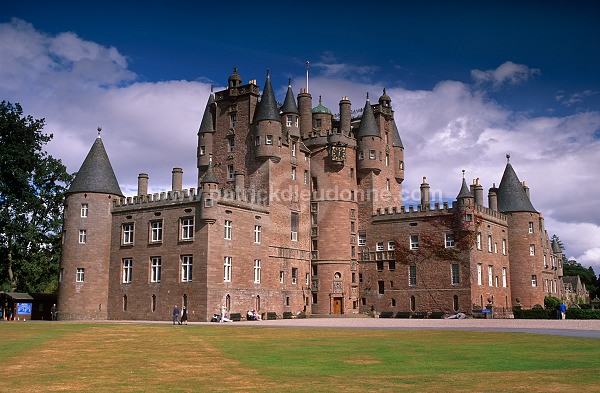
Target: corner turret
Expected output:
[209,194]
[267,125]
[369,141]
[290,117]
[206,135]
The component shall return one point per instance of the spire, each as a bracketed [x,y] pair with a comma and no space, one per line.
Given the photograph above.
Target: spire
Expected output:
[464,190]
[267,107]
[396,141]
[209,175]
[96,174]
[208,124]
[368,124]
[289,105]
[511,195]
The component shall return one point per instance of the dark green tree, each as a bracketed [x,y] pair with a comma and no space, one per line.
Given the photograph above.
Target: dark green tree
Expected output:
[32,187]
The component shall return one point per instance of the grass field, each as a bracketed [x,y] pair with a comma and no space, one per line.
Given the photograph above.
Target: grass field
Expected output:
[85,357]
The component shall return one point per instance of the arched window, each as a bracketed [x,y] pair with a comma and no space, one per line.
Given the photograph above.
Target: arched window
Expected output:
[257,305]
[413,304]
[124,302]
[153,303]
[455,303]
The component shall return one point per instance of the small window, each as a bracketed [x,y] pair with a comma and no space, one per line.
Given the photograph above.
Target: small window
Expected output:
[281,276]
[455,274]
[534,280]
[82,236]
[293,173]
[289,120]
[84,210]
[414,242]
[392,265]
[202,150]
[380,246]
[208,202]
[229,172]
[231,144]
[187,228]
[233,120]
[412,275]
[530,227]
[227,262]
[372,154]
[532,249]
[269,140]
[294,226]
[127,269]
[127,234]
[227,230]
[155,267]
[362,238]
[294,275]
[449,240]
[156,231]
[361,155]
[257,234]
[391,245]
[479,240]
[379,266]
[186,268]
[257,271]
[381,287]
[80,276]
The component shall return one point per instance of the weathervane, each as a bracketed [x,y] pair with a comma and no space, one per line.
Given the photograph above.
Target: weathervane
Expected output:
[508,158]
[99,131]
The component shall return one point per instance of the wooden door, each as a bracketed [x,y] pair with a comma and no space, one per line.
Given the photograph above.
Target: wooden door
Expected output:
[337,305]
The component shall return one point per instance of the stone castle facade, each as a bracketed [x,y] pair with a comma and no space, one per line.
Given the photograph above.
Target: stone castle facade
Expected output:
[297,210]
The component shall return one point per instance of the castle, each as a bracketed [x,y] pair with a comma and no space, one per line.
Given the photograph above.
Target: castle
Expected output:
[297,210]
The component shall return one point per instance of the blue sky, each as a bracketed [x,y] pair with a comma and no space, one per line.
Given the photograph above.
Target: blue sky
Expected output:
[469,82]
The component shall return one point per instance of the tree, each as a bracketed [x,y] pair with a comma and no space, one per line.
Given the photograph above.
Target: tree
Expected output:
[32,187]
[587,276]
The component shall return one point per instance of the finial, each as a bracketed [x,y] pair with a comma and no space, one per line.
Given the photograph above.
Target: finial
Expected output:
[290,82]
[212,88]
[384,91]
[508,158]
[367,96]
[268,74]
[319,100]
[235,70]
[463,171]
[99,131]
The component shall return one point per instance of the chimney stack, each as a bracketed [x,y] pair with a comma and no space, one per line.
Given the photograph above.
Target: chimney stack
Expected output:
[177,179]
[142,184]
[425,195]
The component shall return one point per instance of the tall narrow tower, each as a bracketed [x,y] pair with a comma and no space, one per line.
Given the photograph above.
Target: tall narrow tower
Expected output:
[83,286]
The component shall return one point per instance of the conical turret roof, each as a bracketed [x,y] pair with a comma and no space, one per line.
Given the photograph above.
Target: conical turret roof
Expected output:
[511,195]
[396,141]
[96,174]
[208,123]
[556,247]
[289,105]
[368,124]
[464,191]
[267,107]
[209,176]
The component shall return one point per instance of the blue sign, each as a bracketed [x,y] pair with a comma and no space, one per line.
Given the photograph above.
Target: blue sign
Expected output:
[485,310]
[24,308]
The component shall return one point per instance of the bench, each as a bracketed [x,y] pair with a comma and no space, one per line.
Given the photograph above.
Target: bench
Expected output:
[437,315]
[236,317]
[403,314]
[287,315]
[419,314]
[386,314]
[271,316]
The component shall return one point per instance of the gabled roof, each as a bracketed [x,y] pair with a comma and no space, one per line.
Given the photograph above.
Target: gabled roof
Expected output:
[511,194]
[96,173]
[208,123]
[368,125]
[396,141]
[464,191]
[267,107]
[289,105]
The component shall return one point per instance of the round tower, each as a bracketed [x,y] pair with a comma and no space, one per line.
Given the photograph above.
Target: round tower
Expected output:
[305,109]
[267,125]
[290,116]
[87,228]
[206,136]
[209,194]
[369,142]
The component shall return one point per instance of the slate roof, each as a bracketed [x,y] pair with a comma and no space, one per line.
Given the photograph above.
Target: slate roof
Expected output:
[209,176]
[289,105]
[208,123]
[555,247]
[464,191]
[267,107]
[511,195]
[96,173]
[368,124]
[396,141]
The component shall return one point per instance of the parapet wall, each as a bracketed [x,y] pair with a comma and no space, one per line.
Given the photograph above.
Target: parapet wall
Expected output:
[421,211]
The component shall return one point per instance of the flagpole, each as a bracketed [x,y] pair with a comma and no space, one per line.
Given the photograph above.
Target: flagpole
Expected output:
[307,76]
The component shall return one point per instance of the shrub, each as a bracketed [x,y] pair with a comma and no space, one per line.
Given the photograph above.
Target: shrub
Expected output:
[577,313]
[551,303]
[534,313]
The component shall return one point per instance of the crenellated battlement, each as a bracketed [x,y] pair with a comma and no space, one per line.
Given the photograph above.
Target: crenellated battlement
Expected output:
[490,213]
[415,211]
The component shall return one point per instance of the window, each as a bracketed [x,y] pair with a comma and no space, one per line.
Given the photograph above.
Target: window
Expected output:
[545,261]
[361,155]
[353,251]
[455,303]
[372,155]
[449,240]
[228,229]
[490,276]
[489,243]
[281,276]
[84,210]
[379,246]
[61,275]
[362,238]
[187,228]
[294,226]
[82,236]
[352,227]
[257,141]
[455,274]
[289,120]
[379,266]
[504,281]
[400,164]
[381,287]
[413,303]
[296,121]
[351,173]
[479,281]
[391,245]
[80,274]
[293,149]
[257,233]
[387,159]
[318,123]
[503,246]
[230,172]
[392,266]
[202,150]
[468,217]
[293,173]
[127,268]
[479,240]
[186,268]
[257,271]
[230,144]
[530,227]
[532,249]
[227,269]
[156,231]
[534,280]
[387,184]
[414,242]
[155,267]
[269,140]
[307,279]
[294,275]
[208,202]
[412,275]
[233,120]
[305,177]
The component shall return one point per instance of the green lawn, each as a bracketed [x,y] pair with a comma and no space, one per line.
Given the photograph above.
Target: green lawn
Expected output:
[87,357]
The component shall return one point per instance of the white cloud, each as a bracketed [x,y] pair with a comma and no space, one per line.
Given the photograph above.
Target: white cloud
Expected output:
[507,73]
[79,85]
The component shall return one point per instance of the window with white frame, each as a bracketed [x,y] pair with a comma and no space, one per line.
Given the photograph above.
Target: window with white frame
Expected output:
[294,226]
[534,280]
[479,273]
[187,228]
[414,242]
[294,275]
[80,274]
[127,234]
[227,262]
[503,246]
[489,243]
[208,202]
[530,226]
[479,240]
[82,236]
[257,234]
[155,269]
[362,238]
[490,276]
[391,245]
[84,210]
[412,275]
[281,276]
[202,150]
[387,159]
[293,149]
[269,140]
[257,271]
[449,240]
[293,173]
[532,249]
[545,261]
[127,269]
[372,155]
[361,155]
[289,120]
[307,279]
[387,184]
[455,274]
[305,177]
[227,230]
[504,280]
[380,246]
[156,232]
[230,172]
[187,263]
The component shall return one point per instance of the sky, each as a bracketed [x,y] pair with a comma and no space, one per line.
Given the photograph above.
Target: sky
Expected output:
[470,83]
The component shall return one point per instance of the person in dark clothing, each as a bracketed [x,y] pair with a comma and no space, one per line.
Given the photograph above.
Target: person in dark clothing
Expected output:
[53,312]
[184,316]
[176,315]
